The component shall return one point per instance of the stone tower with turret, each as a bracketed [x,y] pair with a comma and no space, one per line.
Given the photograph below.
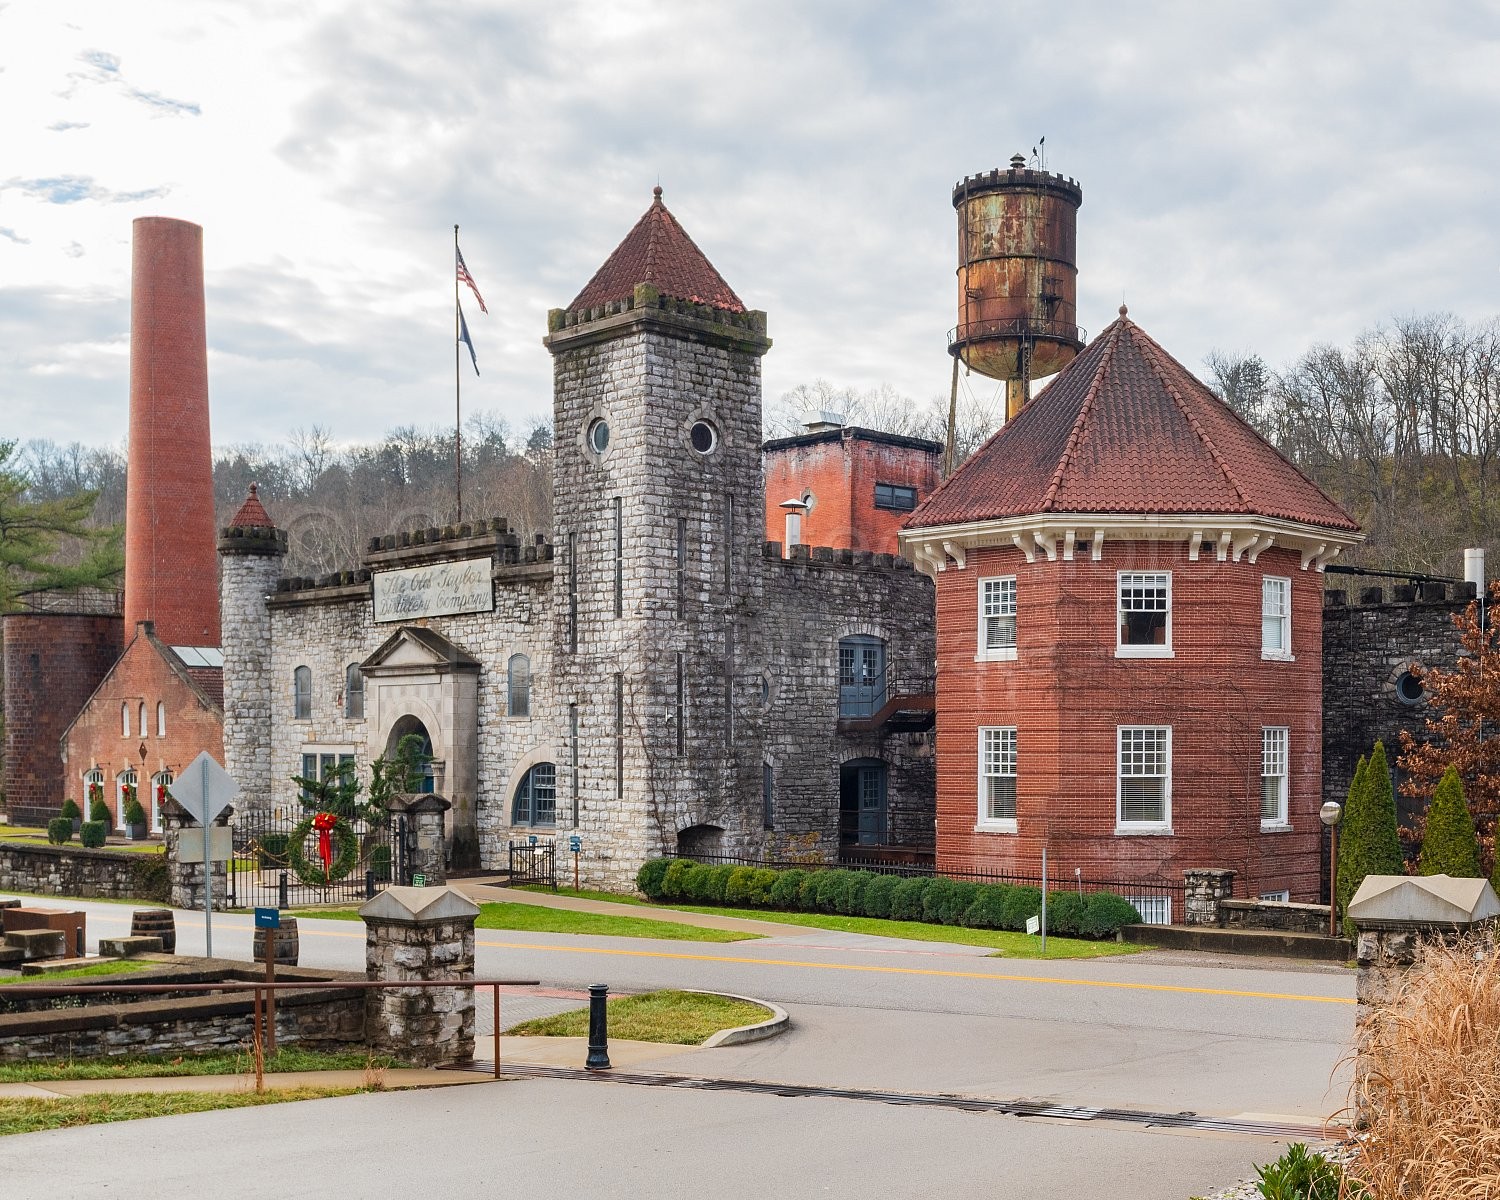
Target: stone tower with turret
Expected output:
[658,516]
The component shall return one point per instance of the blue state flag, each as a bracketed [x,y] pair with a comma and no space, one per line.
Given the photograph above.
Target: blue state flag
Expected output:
[463,336]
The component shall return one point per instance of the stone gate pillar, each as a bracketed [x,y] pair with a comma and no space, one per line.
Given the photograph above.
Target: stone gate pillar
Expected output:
[1203,889]
[177,827]
[424,934]
[425,834]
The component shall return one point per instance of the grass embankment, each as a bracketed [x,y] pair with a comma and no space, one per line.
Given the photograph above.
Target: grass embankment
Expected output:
[27,835]
[32,1116]
[678,1018]
[535,918]
[1005,944]
[112,966]
[160,1066]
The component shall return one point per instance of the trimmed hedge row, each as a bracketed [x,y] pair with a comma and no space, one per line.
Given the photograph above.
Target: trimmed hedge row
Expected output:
[894,897]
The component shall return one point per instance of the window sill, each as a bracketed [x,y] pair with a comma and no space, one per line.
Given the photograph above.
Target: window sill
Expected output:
[1276,827]
[985,825]
[1008,654]
[1143,831]
[1143,652]
[1277,656]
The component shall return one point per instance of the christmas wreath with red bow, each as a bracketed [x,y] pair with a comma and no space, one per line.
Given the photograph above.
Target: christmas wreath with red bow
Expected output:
[337,849]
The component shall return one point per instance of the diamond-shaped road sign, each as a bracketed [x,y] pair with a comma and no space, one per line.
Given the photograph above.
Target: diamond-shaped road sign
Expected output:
[204,789]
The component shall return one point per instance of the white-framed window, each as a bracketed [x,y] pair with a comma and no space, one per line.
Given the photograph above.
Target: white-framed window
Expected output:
[1154,910]
[125,720]
[91,779]
[1144,628]
[997,618]
[1284,896]
[997,779]
[125,782]
[161,718]
[141,718]
[323,763]
[1276,617]
[1144,784]
[159,783]
[1273,777]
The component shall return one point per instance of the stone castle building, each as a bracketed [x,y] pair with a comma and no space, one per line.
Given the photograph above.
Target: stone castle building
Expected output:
[657,677]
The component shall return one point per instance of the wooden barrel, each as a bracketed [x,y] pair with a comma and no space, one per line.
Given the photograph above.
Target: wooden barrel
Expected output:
[157,923]
[286,943]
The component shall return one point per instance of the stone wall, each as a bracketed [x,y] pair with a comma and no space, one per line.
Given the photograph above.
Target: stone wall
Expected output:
[1274,915]
[75,872]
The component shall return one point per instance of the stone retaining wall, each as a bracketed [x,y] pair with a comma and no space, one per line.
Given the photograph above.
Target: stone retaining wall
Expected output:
[1275,915]
[73,871]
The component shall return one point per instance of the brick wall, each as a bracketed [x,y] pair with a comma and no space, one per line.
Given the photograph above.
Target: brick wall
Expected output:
[1066,692]
[53,662]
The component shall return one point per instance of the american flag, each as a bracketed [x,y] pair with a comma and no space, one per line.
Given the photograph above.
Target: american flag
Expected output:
[465,277]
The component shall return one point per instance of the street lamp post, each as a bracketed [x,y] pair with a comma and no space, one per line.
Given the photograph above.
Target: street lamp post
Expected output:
[1330,814]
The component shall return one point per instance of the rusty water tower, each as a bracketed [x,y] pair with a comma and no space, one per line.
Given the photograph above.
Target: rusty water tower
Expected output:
[1017,282]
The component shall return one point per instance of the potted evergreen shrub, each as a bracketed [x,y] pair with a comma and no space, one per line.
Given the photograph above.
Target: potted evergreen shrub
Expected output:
[135,819]
[98,810]
[72,813]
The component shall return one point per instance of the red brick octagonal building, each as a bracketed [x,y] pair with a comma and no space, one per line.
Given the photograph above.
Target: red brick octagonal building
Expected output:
[1129,598]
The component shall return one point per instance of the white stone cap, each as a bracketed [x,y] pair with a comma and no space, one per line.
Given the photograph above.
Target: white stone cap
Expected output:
[418,904]
[1423,900]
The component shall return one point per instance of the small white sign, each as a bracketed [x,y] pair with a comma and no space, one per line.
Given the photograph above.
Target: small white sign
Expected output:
[436,591]
[221,844]
[1033,924]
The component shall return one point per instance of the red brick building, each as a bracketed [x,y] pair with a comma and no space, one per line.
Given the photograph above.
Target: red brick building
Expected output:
[1129,634]
[856,486]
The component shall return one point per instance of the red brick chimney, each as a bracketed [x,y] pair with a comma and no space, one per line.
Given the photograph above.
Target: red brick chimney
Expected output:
[171,567]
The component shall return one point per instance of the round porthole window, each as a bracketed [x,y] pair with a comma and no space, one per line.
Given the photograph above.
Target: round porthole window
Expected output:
[599,436]
[704,437]
[1409,689]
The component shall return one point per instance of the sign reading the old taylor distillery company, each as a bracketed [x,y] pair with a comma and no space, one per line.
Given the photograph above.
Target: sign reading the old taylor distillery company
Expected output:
[436,591]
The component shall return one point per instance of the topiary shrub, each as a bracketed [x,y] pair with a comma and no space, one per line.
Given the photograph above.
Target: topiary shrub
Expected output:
[807,893]
[850,899]
[1104,913]
[956,901]
[674,879]
[1065,913]
[649,878]
[1351,828]
[762,879]
[987,910]
[99,811]
[70,810]
[737,886]
[934,898]
[60,830]
[706,884]
[93,833]
[134,813]
[829,886]
[908,898]
[1449,845]
[1370,841]
[1021,903]
[878,894]
[787,888]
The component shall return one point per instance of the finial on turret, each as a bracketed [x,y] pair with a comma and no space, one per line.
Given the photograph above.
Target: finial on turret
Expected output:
[656,191]
[1124,311]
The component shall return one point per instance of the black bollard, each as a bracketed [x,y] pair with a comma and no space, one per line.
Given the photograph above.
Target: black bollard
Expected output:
[598,1059]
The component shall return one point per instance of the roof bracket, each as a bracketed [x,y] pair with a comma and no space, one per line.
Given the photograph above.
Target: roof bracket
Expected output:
[1028,551]
[1195,540]
[956,552]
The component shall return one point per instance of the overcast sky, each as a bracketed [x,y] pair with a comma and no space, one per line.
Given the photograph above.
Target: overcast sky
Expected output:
[1256,176]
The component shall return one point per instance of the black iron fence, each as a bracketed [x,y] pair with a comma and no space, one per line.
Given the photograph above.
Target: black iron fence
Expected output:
[1159,901]
[277,864]
[534,862]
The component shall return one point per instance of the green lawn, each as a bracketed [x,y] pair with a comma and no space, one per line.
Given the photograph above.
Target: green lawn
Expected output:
[28,835]
[1004,943]
[112,966]
[533,918]
[679,1018]
[153,1066]
[31,1116]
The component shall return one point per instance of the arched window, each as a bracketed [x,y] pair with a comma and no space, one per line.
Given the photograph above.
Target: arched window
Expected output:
[536,797]
[126,783]
[159,784]
[92,780]
[141,718]
[354,693]
[161,719]
[518,674]
[302,694]
[124,720]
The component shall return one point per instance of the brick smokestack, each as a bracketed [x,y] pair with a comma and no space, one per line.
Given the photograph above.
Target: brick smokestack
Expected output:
[170,560]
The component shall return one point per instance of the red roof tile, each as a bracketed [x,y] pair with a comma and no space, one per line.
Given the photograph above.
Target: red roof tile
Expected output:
[252,512]
[1126,428]
[658,251]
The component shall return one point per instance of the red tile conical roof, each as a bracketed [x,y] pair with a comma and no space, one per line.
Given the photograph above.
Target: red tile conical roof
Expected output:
[251,512]
[1126,428]
[658,251]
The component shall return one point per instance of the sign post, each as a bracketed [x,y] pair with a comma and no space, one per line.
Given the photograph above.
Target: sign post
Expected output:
[575,844]
[269,919]
[205,790]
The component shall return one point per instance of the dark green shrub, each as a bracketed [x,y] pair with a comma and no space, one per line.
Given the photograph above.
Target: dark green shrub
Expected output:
[649,878]
[956,901]
[987,910]
[60,830]
[737,887]
[934,898]
[1022,902]
[807,893]
[851,897]
[762,880]
[271,852]
[134,813]
[705,884]
[878,894]
[149,877]
[1065,913]
[829,887]
[99,811]
[1449,845]
[908,898]
[1104,913]
[70,810]
[1369,841]
[380,862]
[92,833]
[788,888]
[674,879]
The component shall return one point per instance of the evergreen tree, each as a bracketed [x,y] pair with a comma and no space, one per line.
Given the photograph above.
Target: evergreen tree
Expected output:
[1449,846]
[1351,826]
[1383,833]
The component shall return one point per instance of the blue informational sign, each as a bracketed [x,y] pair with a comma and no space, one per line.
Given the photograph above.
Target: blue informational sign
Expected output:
[267,918]
[575,843]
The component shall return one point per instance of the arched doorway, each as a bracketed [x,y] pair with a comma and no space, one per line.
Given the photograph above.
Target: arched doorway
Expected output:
[862,807]
[417,753]
[700,841]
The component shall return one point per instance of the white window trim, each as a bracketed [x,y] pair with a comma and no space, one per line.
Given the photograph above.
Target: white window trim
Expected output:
[1127,651]
[1282,896]
[1285,655]
[984,823]
[1002,653]
[1283,823]
[1164,826]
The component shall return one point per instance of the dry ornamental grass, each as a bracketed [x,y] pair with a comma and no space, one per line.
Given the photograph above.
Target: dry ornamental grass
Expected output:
[1428,1083]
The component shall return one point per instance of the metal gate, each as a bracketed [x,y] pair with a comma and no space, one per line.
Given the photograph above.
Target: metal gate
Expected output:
[264,869]
[534,862]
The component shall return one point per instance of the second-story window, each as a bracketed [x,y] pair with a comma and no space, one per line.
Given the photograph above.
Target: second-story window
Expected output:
[997,617]
[354,692]
[895,496]
[1145,614]
[518,686]
[302,694]
[1276,617]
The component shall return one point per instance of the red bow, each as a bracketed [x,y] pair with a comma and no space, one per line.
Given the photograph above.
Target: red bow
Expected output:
[323,823]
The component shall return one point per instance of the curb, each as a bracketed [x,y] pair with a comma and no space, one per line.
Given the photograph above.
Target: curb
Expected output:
[778,1023]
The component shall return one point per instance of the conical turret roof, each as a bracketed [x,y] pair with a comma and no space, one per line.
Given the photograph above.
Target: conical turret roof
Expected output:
[252,512]
[1125,428]
[658,251]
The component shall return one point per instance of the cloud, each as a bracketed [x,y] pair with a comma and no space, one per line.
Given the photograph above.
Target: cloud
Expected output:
[105,69]
[13,236]
[70,189]
[64,126]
